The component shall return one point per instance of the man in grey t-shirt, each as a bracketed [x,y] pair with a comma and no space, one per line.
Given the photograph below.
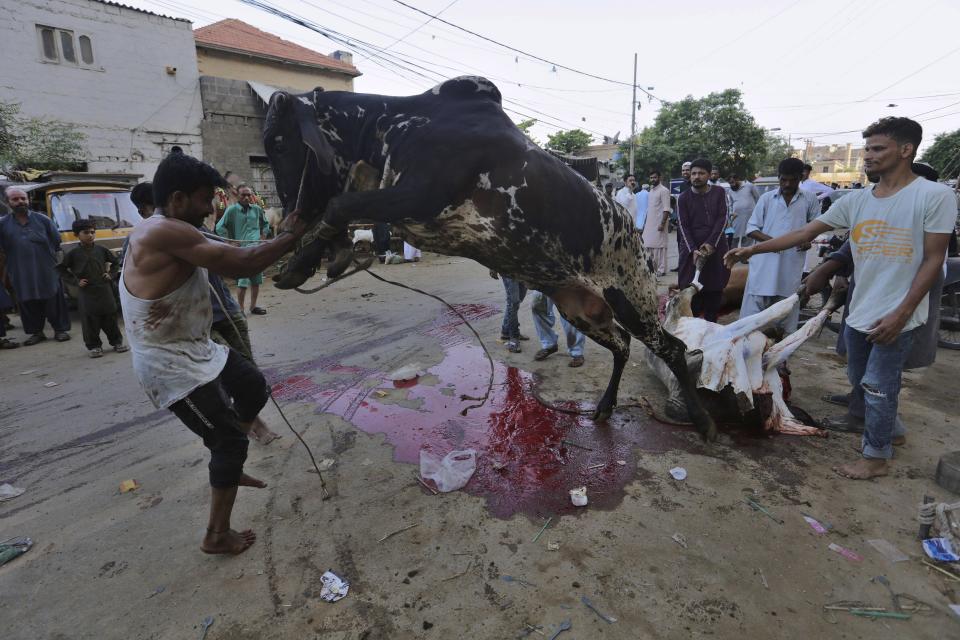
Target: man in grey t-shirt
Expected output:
[899,231]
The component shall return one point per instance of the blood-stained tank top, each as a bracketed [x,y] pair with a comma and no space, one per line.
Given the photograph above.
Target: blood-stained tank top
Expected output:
[170,340]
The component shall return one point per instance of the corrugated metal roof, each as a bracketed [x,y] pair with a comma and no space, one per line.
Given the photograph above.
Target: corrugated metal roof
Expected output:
[126,6]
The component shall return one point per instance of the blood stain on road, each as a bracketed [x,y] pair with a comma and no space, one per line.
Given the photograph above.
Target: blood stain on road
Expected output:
[525,463]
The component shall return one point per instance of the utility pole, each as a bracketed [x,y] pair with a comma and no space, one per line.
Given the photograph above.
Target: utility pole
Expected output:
[633,112]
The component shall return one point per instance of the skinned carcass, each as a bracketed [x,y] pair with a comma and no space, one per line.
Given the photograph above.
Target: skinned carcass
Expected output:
[740,377]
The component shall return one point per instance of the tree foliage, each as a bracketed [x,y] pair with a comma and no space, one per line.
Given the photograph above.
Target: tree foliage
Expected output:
[944,154]
[717,127]
[777,150]
[525,126]
[570,142]
[37,143]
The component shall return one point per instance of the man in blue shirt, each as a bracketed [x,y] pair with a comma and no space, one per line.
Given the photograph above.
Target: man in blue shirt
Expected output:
[30,242]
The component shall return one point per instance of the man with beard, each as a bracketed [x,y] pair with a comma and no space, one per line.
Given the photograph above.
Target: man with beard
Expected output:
[743,198]
[626,197]
[899,231]
[164,291]
[655,226]
[30,241]
[701,220]
[774,277]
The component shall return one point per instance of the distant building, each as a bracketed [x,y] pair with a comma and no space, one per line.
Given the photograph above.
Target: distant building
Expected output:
[241,66]
[125,77]
[607,156]
[831,163]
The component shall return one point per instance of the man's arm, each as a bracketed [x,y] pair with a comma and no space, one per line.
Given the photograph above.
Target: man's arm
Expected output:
[666,210]
[756,222]
[886,330]
[719,225]
[264,225]
[793,239]
[65,269]
[225,224]
[52,233]
[185,242]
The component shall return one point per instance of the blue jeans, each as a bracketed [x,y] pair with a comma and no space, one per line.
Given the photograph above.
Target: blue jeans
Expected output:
[515,291]
[544,319]
[875,371]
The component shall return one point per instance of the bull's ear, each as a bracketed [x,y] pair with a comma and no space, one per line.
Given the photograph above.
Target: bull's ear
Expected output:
[316,94]
[310,134]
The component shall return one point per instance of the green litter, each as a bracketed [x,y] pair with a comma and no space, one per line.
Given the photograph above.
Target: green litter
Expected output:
[14,548]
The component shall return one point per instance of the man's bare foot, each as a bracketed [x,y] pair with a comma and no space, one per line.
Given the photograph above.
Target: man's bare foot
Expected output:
[250,481]
[262,433]
[227,542]
[863,469]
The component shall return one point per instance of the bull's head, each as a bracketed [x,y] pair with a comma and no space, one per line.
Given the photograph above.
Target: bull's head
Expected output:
[303,160]
[307,169]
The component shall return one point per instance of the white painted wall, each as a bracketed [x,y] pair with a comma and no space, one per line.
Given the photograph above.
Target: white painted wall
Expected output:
[130,108]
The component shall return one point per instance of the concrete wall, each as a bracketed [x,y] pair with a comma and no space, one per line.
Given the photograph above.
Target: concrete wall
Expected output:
[239,67]
[131,110]
[233,132]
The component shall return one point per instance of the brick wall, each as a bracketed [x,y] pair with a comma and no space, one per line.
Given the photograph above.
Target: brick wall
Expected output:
[232,131]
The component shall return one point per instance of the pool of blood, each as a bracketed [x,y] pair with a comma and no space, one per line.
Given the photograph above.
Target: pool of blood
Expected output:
[525,462]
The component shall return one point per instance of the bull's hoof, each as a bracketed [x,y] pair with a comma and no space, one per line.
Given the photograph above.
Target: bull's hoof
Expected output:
[677,411]
[340,261]
[290,279]
[604,410]
[341,254]
[707,429]
[600,416]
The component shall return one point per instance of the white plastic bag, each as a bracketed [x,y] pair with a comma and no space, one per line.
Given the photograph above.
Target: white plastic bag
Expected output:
[452,472]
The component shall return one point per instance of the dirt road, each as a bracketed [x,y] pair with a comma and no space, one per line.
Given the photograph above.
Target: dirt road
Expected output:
[112,565]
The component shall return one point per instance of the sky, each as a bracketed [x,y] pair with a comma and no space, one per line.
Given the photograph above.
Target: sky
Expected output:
[819,69]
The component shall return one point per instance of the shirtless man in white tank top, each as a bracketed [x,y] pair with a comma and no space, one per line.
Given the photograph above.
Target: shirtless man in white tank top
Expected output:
[214,391]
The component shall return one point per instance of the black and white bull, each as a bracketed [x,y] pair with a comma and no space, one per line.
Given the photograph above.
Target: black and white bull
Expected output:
[452,173]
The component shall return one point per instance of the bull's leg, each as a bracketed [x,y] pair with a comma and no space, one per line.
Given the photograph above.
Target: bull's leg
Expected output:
[391,204]
[685,366]
[591,315]
[303,264]
[618,342]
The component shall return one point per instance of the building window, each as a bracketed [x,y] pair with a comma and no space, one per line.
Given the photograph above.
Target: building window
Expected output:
[60,46]
[86,50]
[49,44]
[826,170]
[66,46]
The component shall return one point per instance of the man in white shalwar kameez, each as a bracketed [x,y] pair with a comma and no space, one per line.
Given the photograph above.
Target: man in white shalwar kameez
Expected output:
[775,276]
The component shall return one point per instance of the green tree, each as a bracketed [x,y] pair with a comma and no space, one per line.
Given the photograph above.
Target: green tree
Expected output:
[525,126]
[777,149]
[569,142]
[944,154]
[38,143]
[717,127]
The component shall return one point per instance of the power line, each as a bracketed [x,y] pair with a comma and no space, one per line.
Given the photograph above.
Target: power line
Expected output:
[751,29]
[913,73]
[834,104]
[375,52]
[529,55]
[413,31]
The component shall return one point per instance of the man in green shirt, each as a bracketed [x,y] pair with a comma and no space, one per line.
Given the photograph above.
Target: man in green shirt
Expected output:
[247,223]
